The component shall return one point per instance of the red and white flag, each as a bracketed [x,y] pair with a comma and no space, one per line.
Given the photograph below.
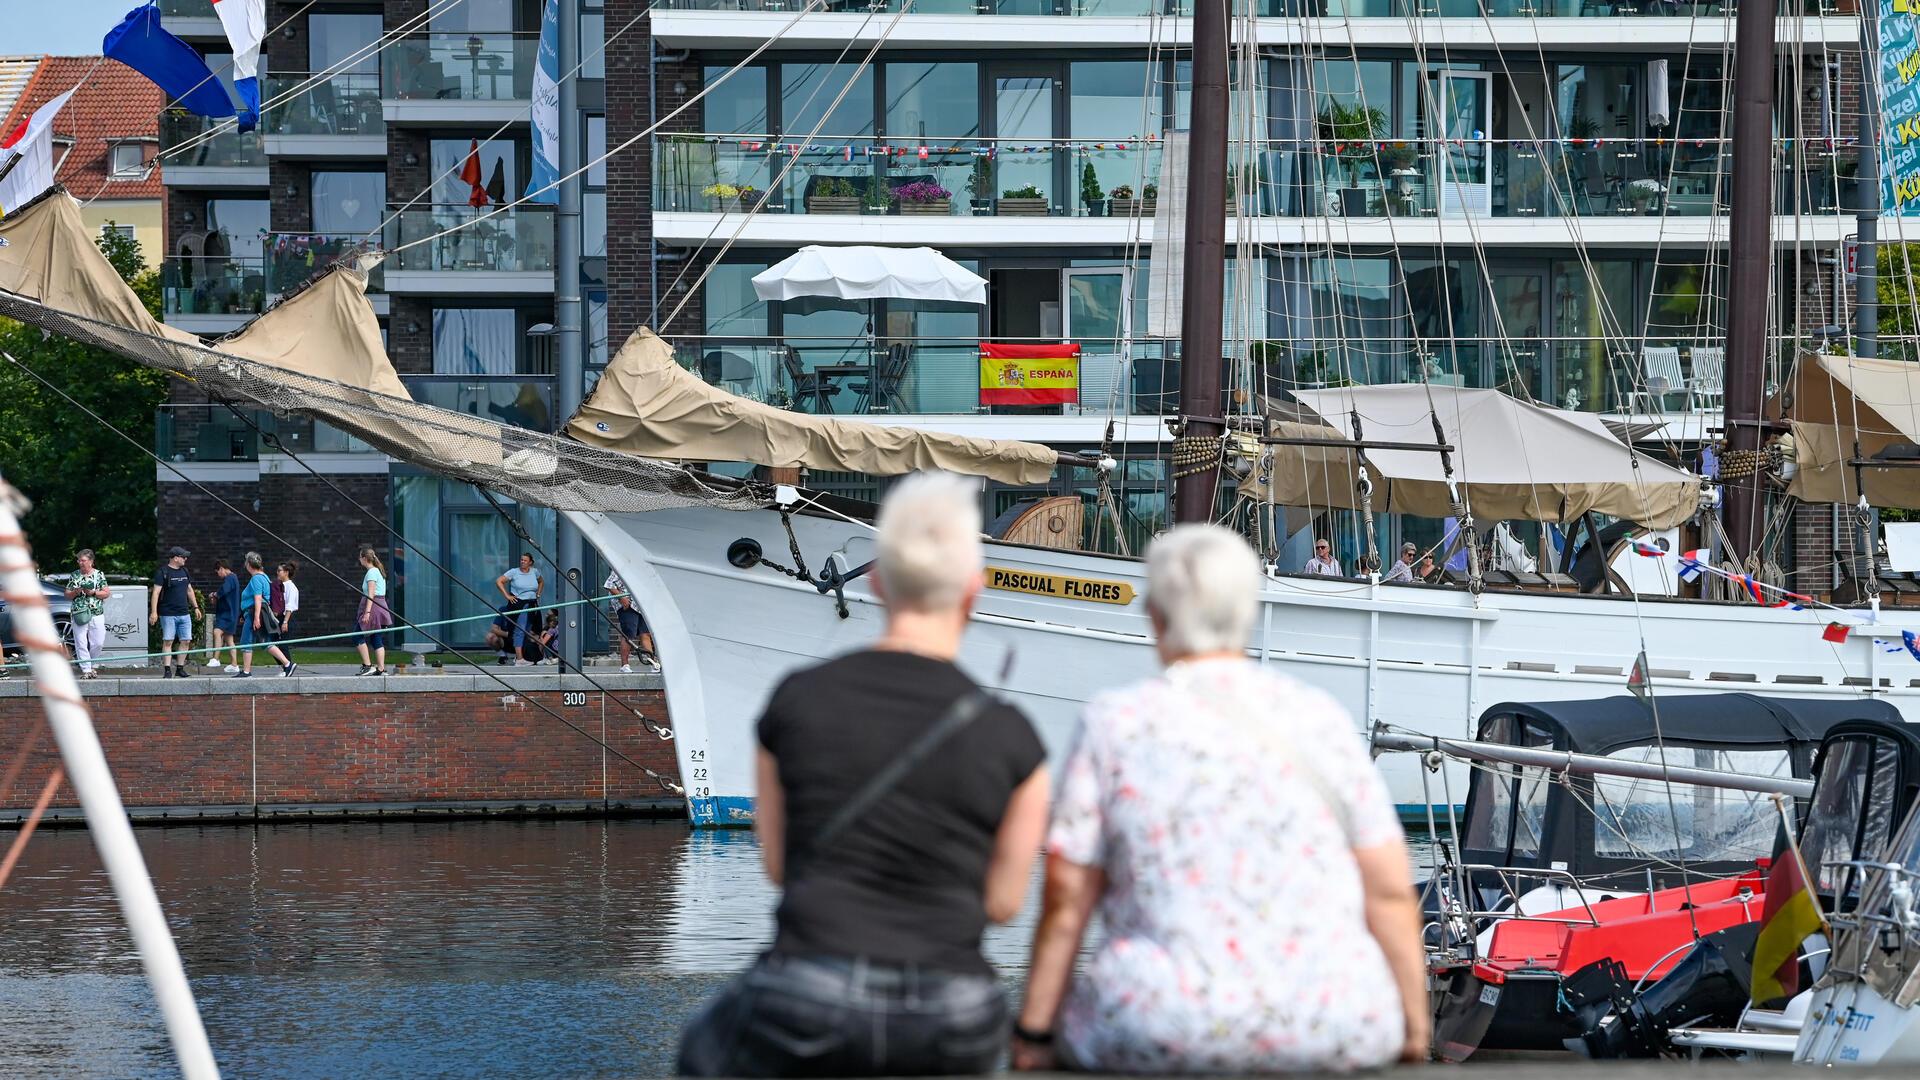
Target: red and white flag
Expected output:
[26,156]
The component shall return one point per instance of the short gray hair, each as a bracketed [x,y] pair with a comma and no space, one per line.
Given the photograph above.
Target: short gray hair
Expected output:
[254,560]
[1204,583]
[929,541]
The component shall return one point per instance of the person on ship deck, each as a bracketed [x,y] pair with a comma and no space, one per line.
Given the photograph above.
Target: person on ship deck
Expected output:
[1246,861]
[900,807]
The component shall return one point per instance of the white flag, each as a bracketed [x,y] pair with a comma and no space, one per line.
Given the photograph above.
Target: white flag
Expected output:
[26,156]
[245,22]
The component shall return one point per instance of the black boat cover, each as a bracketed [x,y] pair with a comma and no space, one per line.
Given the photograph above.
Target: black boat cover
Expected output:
[1602,725]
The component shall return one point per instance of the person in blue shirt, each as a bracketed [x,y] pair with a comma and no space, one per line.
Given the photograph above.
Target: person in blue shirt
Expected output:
[257,618]
[522,586]
[226,616]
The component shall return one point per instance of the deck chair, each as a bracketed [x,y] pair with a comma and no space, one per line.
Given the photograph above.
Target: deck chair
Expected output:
[1709,375]
[731,372]
[883,390]
[807,384]
[1592,181]
[1661,365]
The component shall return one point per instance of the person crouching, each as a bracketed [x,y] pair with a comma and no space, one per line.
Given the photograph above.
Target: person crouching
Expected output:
[901,808]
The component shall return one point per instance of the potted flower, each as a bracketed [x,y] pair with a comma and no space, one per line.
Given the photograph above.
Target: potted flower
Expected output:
[924,197]
[980,185]
[833,195]
[1641,196]
[751,197]
[1091,197]
[1350,130]
[1023,202]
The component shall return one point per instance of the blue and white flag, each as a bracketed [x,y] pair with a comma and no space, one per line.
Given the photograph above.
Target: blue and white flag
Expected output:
[546,111]
[246,24]
[141,43]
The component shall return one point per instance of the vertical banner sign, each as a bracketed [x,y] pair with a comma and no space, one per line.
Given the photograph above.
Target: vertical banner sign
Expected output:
[1029,374]
[546,111]
[1899,108]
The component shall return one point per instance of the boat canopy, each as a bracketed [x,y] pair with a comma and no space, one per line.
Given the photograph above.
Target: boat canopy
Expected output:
[1865,780]
[1840,405]
[1599,826]
[1513,460]
[649,405]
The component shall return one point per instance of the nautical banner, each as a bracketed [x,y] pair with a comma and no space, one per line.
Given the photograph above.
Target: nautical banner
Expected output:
[141,43]
[1899,86]
[245,22]
[26,156]
[1029,374]
[546,111]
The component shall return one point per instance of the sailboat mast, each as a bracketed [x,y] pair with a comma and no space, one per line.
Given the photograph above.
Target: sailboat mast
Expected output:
[1749,258]
[1196,460]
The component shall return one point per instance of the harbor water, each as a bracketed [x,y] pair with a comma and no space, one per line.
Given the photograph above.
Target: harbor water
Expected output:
[463,948]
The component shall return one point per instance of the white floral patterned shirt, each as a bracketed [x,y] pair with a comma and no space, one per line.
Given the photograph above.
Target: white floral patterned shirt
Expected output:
[1236,936]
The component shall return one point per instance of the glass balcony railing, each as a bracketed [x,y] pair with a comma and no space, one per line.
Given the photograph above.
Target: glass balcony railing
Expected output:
[521,400]
[214,433]
[341,104]
[514,240]
[185,140]
[459,67]
[294,258]
[1142,376]
[1287,9]
[192,9]
[212,285]
[1320,178]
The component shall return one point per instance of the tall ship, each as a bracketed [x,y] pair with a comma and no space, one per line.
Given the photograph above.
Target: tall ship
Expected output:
[1538,289]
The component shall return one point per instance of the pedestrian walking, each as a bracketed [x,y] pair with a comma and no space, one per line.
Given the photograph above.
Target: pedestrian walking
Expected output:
[172,605]
[1402,568]
[1323,564]
[226,617]
[87,588]
[374,616]
[283,601]
[522,586]
[1247,863]
[257,618]
[632,625]
[900,806]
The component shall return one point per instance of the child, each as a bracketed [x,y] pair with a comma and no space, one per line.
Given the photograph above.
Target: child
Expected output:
[284,601]
[550,640]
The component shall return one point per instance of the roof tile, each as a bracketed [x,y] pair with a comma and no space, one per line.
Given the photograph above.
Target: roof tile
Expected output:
[117,103]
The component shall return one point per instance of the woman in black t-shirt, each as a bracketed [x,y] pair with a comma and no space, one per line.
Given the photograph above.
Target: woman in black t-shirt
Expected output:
[876,970]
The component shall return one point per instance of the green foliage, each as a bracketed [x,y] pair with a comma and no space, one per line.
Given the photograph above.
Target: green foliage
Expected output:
[834,187]
[89,488]
[1896,266]
[1031,191]
[1090,192]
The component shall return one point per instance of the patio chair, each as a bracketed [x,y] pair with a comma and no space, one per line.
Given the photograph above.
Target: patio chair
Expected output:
[1592,181]
[732,373]
[1709,375]
[1661,366]
[884,389]
[806,384]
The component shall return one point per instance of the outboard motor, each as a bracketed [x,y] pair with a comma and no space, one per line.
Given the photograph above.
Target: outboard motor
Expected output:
[1713,982]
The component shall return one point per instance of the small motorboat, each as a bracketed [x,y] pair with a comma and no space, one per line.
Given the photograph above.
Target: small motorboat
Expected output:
[1608,841]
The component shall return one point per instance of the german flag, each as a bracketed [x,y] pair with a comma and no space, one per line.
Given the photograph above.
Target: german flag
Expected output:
[1789,917]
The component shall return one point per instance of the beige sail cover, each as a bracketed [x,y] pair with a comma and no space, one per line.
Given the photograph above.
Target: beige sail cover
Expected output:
[1836,401]
[1513,460]
[47,254]
[649,405]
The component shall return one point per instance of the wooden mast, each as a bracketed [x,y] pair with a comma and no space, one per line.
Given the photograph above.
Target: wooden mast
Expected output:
[1749,259]
[1196,457]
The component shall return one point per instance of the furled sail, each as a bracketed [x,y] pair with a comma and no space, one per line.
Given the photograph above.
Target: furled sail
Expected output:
[647,404]
[1842,404]
[1512,460]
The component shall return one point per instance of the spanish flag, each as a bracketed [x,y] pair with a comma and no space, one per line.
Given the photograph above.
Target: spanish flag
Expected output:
[1789,916]
[1029,374]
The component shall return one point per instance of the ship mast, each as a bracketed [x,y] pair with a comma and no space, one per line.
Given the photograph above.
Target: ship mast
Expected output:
[1196,453]
[1749,258]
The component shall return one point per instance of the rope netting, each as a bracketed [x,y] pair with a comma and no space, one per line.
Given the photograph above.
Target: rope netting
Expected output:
[527,466]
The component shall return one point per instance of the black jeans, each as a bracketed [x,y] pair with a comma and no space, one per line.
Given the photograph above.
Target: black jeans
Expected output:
[835,1016]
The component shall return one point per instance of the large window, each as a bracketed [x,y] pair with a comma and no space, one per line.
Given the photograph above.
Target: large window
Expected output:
[343,42]
[348,202]
[237,226]
[476,341]
[499,170]
[933,101]
[473,16]
[739,105]
[808,93]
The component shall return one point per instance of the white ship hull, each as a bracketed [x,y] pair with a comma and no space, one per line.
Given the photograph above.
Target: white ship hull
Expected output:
[1424,659]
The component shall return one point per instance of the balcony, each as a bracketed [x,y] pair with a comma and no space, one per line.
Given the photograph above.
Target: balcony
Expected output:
[503,254]
[1094,192]
[458,78]
[324,117]
[211,294]
[294,258]
[191,20]
[521,400]
[212,434]
[212,154]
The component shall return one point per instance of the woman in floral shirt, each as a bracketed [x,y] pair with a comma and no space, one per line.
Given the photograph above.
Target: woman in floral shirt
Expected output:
[1246,860]
[87,588]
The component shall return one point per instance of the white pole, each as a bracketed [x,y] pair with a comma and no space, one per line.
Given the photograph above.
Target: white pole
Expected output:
[87,770]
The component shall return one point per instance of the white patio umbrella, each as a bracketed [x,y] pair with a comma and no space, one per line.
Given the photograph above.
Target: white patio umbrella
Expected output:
[870,273]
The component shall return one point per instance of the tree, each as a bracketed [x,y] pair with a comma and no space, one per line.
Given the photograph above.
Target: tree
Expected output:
[1894,288]
[89,487]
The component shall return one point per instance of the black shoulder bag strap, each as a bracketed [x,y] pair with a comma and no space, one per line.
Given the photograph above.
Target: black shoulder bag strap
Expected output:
[964,710]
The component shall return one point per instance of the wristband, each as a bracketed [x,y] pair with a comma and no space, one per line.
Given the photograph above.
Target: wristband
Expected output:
[1035,1038]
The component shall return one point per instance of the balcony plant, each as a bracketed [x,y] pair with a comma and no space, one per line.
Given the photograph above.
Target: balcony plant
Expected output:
[833,195]
[877,199]
[1091,196]
[924,197]
[980,185]
[1351,130]
[1121,201]
[1026,201]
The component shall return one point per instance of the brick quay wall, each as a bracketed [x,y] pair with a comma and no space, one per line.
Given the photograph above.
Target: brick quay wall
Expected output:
[342,746]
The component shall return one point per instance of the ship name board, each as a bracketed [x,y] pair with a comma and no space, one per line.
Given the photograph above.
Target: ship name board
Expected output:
[1066,588]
